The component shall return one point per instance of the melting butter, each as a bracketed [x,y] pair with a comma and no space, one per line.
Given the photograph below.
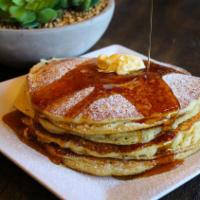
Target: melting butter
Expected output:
[119,63]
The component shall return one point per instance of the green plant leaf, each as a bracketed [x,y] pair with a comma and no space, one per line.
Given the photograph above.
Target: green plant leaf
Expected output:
[33,13]
[75,3]
[31,25]
[94,2]
[5,17]
[47,15]
[86,5]
[40,4]
[5,4]
[64,3]
[18,2]
[21,15]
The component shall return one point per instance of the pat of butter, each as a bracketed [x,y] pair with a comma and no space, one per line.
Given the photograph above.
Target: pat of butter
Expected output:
[119,63]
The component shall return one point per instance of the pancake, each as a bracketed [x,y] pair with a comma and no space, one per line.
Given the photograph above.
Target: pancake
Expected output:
[141,136]
[183,137]
[117,127]
[81,103]
[23,103]
[107,124]
[119,133]
[113,167]
[89,164]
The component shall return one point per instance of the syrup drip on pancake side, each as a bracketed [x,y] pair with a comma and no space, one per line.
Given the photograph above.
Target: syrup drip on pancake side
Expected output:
[105,148]
[14,121]
[149,95]
[162,168]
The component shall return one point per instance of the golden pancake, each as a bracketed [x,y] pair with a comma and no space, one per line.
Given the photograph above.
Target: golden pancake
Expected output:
[105,123]
[169,142]
[179,83]
[96,97]
[89,164]
[112,167]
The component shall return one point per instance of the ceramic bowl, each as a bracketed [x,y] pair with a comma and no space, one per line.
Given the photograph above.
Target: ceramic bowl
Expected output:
[22,47]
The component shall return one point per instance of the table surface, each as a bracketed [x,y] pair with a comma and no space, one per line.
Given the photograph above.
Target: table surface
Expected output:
[176,39]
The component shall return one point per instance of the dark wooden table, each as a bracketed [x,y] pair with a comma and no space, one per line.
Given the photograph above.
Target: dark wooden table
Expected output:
[176,39]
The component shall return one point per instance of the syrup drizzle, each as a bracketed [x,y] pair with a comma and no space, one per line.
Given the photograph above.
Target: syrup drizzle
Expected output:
[150,34]
[150,96]
[162,164]
[14,121]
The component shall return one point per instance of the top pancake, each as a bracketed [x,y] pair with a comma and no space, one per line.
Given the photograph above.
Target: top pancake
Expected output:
[66,90]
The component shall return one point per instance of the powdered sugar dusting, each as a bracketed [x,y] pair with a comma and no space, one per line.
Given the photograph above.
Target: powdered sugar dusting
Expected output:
[185,87]
[45,73]
[61,106]
[114,106]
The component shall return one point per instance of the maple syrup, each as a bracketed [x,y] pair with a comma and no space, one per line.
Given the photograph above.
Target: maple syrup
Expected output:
[150,96]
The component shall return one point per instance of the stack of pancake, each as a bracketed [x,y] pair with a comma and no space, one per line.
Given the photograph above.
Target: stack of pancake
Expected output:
[107,124]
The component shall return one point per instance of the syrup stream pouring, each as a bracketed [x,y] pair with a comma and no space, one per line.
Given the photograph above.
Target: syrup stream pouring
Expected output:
[150,34]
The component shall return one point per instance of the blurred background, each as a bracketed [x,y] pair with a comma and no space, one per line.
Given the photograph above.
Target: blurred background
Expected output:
[175,39]
[176,30]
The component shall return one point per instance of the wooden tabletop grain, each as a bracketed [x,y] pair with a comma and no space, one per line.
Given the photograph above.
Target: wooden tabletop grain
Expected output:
[176,39]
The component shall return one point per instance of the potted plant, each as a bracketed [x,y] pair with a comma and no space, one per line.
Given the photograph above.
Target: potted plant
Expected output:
[35,29]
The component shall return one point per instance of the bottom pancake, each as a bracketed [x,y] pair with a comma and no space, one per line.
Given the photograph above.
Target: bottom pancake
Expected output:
[111,167]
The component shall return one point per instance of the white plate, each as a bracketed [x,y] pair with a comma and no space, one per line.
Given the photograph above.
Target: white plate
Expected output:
[71,185]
